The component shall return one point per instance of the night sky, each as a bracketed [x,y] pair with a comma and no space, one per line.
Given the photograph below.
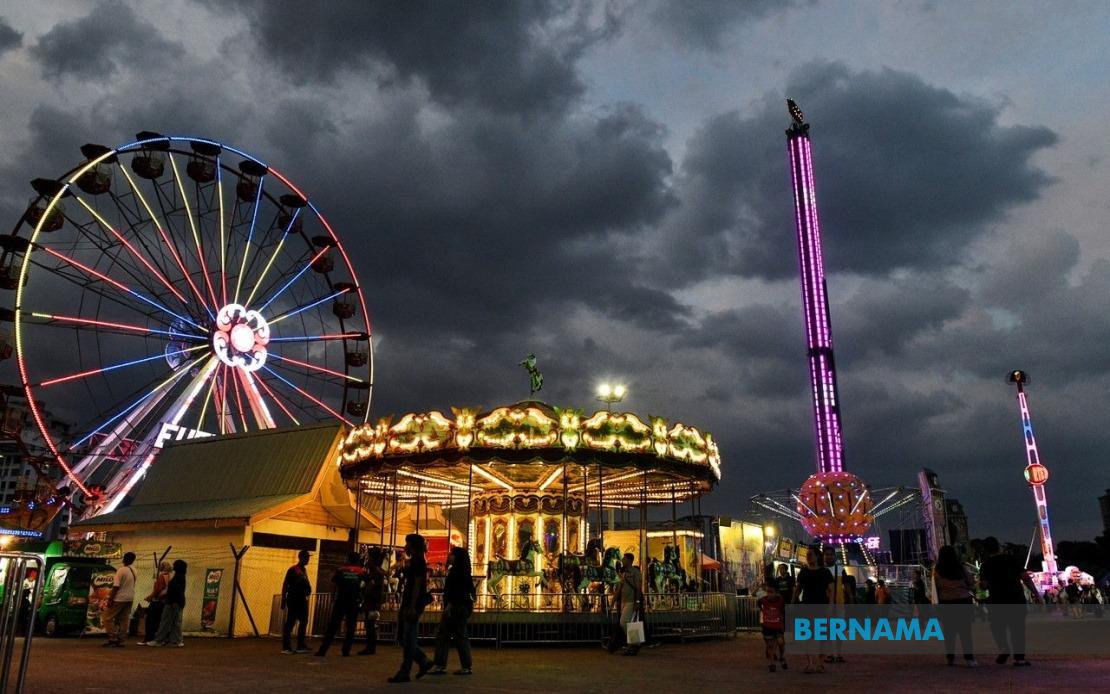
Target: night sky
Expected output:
[606,185]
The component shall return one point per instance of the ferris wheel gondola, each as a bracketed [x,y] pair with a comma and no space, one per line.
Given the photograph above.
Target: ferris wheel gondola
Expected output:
[176,287]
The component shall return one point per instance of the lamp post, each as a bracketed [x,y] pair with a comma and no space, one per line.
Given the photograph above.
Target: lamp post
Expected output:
[610,394]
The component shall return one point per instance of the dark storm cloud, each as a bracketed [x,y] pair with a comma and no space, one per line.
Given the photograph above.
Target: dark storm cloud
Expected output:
[100,44]
[506,55]
[9,37]
[704,24]
[909,175]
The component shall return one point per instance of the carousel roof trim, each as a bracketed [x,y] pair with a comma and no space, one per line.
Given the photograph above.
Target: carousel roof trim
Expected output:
[525,432]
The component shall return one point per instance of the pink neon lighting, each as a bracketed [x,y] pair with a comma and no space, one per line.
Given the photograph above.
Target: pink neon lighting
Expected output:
[106,324]
[313,366]
[275,398]
[154,271]
[830,455]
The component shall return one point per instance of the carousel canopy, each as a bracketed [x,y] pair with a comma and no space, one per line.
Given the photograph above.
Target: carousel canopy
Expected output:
[531,447]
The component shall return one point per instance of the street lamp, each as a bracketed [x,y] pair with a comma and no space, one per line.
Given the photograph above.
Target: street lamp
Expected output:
[610,394]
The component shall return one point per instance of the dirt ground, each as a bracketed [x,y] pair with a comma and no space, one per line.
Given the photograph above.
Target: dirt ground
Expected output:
[70,665]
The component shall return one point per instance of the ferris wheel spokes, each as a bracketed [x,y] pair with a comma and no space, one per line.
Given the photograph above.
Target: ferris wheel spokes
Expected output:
[301,272]
[118,285]
[250,237]
[114,367]
[308,395]
[274,256]
[111,326]
[193,228]
[162,232]
[127,244]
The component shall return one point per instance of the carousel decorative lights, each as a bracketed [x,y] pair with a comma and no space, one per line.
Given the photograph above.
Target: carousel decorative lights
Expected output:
[528,473]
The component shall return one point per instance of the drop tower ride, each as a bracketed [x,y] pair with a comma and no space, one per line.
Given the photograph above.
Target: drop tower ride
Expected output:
[834,505]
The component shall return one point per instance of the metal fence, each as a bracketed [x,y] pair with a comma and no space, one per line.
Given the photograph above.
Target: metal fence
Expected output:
[17,614]
[558,619]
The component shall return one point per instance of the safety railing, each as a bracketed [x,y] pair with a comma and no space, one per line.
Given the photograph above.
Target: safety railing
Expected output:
[17,615]
[559,618]
[747,613]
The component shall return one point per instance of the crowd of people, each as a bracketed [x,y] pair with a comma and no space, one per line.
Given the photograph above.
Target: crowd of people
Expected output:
[359,590]
[1001,580]
[161,622]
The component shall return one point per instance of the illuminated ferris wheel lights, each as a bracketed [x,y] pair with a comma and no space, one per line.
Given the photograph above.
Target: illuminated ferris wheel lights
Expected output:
[93,372]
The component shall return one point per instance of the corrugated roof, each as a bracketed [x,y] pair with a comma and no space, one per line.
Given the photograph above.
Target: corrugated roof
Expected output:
[190,510]
[229,476]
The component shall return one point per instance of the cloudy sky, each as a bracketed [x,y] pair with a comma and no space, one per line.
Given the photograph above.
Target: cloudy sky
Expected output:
[606,185]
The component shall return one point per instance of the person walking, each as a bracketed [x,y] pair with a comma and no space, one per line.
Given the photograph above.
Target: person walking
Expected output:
[156,601]
[772,620]
[295,590]
[628,601]
[954,587]
[414,598]
[348,580]
[1004,577]
[117,612]
[458,605]
[373,594]
[169,628]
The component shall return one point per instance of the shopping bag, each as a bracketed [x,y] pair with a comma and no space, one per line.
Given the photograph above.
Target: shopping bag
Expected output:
[634,633]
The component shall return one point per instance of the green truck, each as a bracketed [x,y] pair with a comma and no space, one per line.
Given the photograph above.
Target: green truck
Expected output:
[72,568]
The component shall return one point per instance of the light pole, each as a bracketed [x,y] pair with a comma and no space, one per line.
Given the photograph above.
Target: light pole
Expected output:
[610,394]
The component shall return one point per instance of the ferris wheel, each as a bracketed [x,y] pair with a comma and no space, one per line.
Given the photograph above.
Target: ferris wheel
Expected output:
[172,288]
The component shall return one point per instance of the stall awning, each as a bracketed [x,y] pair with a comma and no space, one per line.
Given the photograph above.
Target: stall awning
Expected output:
[708,562]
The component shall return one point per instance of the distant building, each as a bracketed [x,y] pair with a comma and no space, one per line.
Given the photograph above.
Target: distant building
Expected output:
[958,535]
[22,454]
[1104,505]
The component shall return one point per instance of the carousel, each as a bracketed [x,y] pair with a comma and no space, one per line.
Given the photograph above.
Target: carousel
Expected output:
[525,487]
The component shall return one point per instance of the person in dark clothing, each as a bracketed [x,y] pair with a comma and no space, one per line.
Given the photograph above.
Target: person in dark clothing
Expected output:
[169,629]
[920,596]
[414,598]
[294,600]
[156,602]
[346,599]
[373,594]
[954,587]
[815,586]
[458,605]
[1004,578]
[784,583]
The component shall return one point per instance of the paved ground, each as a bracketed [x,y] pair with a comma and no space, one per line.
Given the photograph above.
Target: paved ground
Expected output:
[217,665]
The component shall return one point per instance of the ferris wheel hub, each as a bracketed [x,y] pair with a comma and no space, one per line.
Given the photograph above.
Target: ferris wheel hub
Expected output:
[240,337]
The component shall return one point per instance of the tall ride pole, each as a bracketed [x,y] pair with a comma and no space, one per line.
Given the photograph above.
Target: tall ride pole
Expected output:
[1036,475]
[834,504]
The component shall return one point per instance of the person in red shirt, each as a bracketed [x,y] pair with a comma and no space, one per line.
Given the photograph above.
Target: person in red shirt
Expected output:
[772,617]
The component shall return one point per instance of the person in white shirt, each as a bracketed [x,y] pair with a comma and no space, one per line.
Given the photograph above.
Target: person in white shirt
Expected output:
[115,614]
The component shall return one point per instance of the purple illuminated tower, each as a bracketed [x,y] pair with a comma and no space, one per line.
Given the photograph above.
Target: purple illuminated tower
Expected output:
[834,504]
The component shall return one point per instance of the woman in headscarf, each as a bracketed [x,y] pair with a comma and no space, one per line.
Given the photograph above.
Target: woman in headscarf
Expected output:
[157,602]
[169,629]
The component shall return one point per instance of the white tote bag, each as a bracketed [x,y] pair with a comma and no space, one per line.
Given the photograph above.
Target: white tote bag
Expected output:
[634,632]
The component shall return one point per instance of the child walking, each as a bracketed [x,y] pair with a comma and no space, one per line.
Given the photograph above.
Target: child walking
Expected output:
[772,616]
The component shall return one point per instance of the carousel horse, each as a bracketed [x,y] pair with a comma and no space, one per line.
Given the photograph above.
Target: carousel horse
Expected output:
[524,567]
[667,576]
[608,573]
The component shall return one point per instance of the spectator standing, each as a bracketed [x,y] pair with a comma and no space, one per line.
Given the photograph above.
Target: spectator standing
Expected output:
[169,628]
[1004,577]
[294,600]
[920,595]
[815,586]
[458,605]
[117,612]
[414,598]
[784,583]
[156,601]
[954,587]
[348,580]
[882,593]
[373,594]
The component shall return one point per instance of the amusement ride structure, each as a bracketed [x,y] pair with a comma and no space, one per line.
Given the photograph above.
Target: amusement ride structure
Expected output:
[528,476]
[834,506]
[1036,474]
[170,288]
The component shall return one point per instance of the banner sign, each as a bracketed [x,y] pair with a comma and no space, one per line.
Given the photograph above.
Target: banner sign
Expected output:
[90,549]
[212,578]
[100,587]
